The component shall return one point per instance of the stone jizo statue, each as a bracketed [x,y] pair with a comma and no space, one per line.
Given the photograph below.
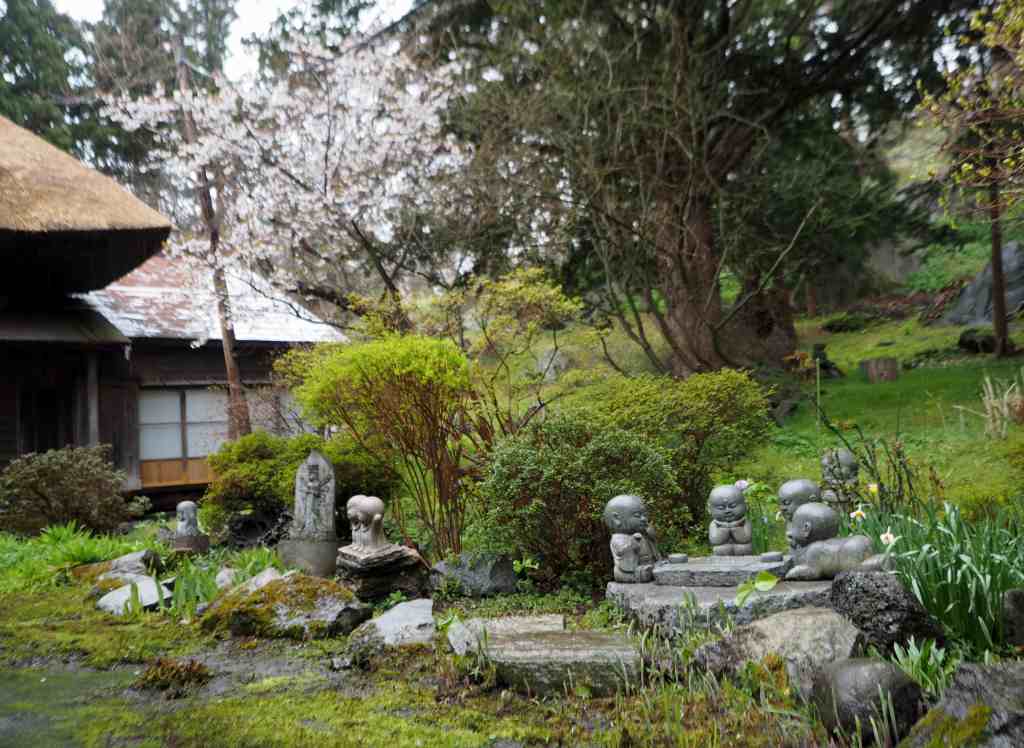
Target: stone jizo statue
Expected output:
[793,493]
[730,531]
[312,542]
[187,536]
[634,550]
[818,553]
[839,474]
[366,516]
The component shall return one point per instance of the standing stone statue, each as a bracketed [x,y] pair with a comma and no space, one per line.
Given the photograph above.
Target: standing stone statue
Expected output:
[818,553]
[634,551]
[371,565]
[793,494]
[187,537]
[730,531]
[839,475]
[312,542]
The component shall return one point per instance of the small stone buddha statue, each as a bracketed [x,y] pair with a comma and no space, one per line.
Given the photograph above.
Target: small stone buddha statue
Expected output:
[366,517]
[839,474]
[818,553]
[730,531]
[634,551]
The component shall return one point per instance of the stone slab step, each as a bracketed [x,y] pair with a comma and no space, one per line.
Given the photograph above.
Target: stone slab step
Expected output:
[675,610]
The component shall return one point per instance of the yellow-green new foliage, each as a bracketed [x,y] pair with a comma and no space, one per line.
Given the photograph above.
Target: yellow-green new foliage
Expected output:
[404,400]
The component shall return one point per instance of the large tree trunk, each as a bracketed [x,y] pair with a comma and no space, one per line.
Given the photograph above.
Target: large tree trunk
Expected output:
[703,335]
[999,324]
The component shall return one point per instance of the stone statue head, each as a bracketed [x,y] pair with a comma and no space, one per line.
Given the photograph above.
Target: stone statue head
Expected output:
[188,519]
[361,511]
[727,504]
[812,522]
[839,465]
[793,493]
[625,514]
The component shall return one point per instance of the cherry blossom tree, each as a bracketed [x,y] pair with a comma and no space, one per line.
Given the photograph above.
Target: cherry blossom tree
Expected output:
[320,174]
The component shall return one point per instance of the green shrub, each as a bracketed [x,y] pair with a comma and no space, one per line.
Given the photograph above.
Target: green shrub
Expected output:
[548,485]
[257,473]
[74,484]
[405,400]
[848,322]
[704,423]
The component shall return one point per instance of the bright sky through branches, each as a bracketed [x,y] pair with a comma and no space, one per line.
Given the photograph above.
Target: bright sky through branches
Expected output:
[254,17]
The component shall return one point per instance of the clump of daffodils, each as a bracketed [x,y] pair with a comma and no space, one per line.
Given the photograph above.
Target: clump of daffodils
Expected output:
[858,513]
[887,537]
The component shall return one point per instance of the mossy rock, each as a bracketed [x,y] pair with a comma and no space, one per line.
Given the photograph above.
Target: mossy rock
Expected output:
[295,607]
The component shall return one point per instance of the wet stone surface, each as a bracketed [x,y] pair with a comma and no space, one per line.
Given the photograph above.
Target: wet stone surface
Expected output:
[717,571]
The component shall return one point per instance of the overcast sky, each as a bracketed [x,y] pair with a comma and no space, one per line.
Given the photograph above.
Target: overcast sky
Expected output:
[254,16]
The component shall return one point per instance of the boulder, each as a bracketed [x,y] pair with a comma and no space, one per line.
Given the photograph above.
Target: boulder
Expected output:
[138,564]
[477,574]
[376,575]
[974,340]
[226,577]
[848,692]
[883,609]
[406,624]
[294,606]
[806,639]
[151,594]
[982,706]
[974,304]
[1013,617]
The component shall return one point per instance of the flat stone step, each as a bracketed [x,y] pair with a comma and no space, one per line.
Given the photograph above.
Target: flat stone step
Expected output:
[675,610]
[537,656]
[719,571]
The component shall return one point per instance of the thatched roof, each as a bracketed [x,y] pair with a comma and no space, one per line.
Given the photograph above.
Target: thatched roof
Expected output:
[43,189]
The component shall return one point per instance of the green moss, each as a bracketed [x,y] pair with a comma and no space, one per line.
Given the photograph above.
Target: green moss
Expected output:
[943,731]
[59,623]
[255,613]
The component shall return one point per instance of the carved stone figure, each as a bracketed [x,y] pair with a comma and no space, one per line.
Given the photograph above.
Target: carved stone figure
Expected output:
[730,531]
[793,494]
[839,473]
[366,516]
[818,553]
[634,550]
[312,542]
[187,536]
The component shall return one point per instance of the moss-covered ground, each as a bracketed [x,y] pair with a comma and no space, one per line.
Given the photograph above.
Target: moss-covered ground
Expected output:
[76,677]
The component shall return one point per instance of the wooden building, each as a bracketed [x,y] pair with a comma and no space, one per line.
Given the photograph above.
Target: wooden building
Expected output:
[102,338]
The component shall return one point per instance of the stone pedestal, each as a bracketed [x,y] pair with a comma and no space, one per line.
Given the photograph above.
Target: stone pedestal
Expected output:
[192,544]
[719,571]
[314,557]
[376,573]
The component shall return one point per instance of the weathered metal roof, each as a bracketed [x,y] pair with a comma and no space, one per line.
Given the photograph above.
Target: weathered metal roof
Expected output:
[162,299]
[75,325]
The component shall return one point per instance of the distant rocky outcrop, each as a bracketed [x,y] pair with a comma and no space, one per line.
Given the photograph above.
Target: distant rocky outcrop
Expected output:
[974,305]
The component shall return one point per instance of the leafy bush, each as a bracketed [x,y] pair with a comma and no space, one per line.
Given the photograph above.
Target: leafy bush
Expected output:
[62,485]
[548,485]
[257,473]
[848,322]
[704,423]
[404,400]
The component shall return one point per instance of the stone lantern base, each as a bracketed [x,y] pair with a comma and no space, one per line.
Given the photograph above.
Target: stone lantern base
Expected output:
[315,557]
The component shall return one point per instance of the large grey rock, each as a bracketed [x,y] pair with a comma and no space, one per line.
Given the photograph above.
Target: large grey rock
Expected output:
[674,610]
[1013,617]
[118,602]
[848,692]
[406,623]
[477,574]
[974,305]
[552,364]
[982,706]
[884,610]
[375,574]
[807,639]
[468,636]
[226,577]
[108,575]
[294,606]
[717,571]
